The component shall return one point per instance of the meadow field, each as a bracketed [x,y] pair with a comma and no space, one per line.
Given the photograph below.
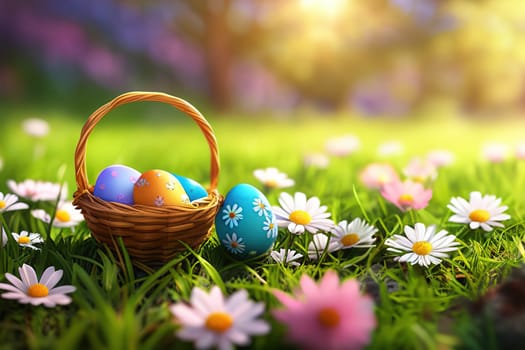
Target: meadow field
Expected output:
[117,305]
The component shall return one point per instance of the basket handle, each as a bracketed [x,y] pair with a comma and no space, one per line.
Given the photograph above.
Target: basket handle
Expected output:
[137,96]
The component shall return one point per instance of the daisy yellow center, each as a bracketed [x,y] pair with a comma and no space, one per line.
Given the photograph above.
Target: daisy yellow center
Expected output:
[350,239]
[418,178]
[232,215]
[479,215]
[406,199]
[262,206]
[383,178]
[270,183]
[38,290]
[62,215]
[2,204]
[300,217]
[329,317]
[23,240]
[219,322]
[422,248]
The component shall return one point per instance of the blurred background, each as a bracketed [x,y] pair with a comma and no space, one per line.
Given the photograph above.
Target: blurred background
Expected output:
[374,58]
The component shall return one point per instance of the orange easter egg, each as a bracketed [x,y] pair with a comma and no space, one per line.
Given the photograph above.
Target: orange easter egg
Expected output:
[159,188]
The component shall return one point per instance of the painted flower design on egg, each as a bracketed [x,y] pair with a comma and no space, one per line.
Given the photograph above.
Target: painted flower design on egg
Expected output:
[142,182]
[260,207]
[159,201]
[185,199]
[170,186]
[270,227]
[232,215]
[234,244]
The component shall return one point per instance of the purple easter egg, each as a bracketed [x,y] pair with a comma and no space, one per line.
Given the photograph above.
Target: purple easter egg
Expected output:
[115,184]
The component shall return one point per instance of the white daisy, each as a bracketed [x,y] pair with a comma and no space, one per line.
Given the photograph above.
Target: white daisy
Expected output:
[29,290]
[26,239]
[66,215]
[342,146]
[390,148]
[422,245]
[38,190]
[480,211]
[273,178]
[260,207]
[35,127]
[299,214]
[356,234]
[270,227]
[9,202]
[4,238]
[286,256]
[234,243]
[210,320]
[232,214]
[316,160]
[320,244]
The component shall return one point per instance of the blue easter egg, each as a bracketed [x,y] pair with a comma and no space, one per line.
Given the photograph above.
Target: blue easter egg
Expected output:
[193,189]
[245,224]
[115,184]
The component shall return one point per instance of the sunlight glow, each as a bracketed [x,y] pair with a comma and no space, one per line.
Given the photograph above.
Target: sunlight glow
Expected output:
[328,8]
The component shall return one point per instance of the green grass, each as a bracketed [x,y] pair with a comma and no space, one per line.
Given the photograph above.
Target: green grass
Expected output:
[117,306]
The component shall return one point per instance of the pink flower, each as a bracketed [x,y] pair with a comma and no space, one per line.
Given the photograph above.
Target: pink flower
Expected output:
[328,315]
[375,175]
[420,170]
[407,195]
[38,190]
[440,157]
[35,127]
[520,151]
[495,152]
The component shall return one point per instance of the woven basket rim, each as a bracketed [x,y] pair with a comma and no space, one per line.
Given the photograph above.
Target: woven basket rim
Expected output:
[138,96]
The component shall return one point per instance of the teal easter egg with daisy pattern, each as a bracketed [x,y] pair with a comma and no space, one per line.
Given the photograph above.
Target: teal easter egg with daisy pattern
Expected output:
[245,224]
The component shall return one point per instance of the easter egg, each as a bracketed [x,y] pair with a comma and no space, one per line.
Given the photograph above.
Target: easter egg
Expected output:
[115,184]
[245,224]
[193,189]
[159,188]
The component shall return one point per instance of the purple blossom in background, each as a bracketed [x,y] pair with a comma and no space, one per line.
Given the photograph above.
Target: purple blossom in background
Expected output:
[180,57]
[256,88]
[373,97]
[88,34]
[141,31]
[55,42]
[426,13]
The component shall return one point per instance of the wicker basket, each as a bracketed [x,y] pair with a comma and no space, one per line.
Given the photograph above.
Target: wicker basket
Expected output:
[150,234]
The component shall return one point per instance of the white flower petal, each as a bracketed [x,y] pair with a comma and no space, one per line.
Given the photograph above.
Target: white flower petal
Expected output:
[28,275]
